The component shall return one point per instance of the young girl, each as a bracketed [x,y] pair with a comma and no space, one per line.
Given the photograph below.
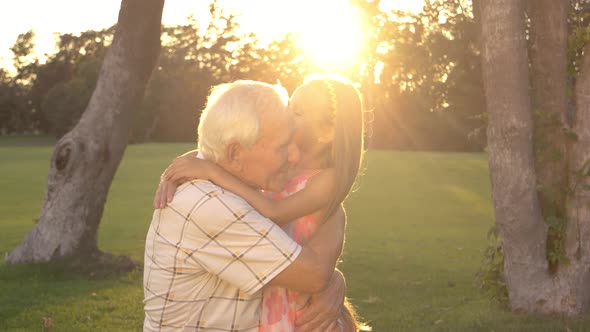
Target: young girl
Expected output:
[329,133]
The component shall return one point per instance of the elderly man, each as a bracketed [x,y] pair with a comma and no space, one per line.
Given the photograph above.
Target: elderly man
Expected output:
[209,253]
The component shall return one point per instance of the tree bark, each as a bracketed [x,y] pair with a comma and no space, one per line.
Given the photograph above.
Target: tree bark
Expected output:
[510,148]
[549,86]
[85,160]
[476,7]
[513,168]
[577,272]
[548,54]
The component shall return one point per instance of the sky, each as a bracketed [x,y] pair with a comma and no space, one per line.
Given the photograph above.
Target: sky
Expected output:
[267,18]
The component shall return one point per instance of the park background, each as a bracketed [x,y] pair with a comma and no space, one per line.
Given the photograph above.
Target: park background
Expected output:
[419,223]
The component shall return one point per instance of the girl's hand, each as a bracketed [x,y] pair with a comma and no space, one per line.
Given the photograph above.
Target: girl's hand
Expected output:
[187,166]
[164,194]
[184,168]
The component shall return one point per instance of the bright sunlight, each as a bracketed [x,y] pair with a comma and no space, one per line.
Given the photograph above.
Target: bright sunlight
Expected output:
[331,35]
[331,31]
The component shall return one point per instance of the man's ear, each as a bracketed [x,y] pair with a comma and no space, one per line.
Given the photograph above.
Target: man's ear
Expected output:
[233,155]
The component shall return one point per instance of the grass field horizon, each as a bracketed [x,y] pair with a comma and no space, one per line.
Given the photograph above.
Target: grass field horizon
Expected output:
[416,233]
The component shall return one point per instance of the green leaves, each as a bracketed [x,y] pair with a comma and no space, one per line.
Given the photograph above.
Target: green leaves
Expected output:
[490,277]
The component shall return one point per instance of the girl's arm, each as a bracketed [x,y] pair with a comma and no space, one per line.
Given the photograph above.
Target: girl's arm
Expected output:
[316,195]
[183,168]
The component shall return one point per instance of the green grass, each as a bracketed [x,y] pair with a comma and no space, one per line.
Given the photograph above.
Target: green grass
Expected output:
[416,232]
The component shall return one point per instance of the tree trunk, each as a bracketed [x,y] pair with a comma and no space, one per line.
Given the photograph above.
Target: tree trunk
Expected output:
[513,168]
[549,86]
[548,54]
[476,7]
[84,161]
[510,142]
[577,272]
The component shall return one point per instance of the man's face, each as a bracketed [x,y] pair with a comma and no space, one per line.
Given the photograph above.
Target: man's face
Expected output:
[266,165]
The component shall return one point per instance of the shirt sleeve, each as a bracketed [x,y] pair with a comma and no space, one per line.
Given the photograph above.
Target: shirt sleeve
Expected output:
[238,244]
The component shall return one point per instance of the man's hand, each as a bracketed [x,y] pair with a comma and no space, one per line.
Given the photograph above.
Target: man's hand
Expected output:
[323,308]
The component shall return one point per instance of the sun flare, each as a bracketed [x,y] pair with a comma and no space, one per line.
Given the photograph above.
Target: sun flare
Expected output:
[332,35]
[331,30]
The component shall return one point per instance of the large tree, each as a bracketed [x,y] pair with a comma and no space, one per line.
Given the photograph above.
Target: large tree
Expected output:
[539,153]
[84,160]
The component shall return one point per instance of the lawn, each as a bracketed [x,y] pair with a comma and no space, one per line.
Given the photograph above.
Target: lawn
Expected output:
[416,231]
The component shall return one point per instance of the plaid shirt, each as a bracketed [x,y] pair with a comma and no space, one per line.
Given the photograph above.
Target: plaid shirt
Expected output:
[207,255]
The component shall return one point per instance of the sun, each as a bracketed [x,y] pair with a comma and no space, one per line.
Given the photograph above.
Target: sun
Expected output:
[331,36]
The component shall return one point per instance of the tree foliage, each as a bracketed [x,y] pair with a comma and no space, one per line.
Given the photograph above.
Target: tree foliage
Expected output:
[420,74]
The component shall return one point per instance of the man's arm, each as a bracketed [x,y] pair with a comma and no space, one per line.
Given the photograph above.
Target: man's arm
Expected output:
[323,308]
[314,267]
[275,258]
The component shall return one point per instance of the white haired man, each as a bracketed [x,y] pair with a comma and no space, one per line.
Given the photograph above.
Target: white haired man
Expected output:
[209,253]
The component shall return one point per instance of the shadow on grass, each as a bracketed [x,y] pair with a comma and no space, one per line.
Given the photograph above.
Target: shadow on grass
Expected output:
[37,289]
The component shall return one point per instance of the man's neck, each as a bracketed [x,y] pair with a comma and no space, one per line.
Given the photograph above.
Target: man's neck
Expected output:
[236,173]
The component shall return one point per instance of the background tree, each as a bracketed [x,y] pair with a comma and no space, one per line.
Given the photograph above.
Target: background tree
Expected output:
[65,102]
[192,60]
[85,159]
[14,112]
[70,73]
[16,115]
[427,89]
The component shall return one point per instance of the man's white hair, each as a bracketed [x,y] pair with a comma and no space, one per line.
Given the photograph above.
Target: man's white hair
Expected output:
[232,115]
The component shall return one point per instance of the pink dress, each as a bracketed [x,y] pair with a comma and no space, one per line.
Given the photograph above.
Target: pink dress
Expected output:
[279,305]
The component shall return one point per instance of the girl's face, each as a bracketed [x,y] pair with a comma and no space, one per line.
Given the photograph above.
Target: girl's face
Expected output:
[308,106]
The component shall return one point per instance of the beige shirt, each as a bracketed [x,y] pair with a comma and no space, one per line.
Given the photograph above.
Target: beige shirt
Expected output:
[207,255]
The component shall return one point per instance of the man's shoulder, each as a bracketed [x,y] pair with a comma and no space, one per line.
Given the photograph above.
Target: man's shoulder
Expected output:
[197,188]
[207,193]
